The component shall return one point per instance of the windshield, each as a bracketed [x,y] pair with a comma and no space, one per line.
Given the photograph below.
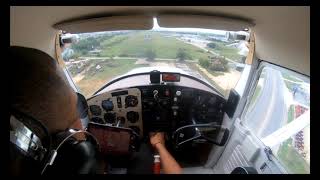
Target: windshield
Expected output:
[215,56]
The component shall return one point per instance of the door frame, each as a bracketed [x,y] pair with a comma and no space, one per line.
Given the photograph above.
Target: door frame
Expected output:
[217,151]
[61,62]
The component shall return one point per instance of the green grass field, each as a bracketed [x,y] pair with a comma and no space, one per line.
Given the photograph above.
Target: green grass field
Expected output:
[291,113]
[291,159]
[136,44]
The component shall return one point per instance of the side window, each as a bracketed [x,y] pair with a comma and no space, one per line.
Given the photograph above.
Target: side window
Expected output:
[278,113]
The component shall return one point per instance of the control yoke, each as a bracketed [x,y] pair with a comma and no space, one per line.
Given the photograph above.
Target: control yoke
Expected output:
[209,132]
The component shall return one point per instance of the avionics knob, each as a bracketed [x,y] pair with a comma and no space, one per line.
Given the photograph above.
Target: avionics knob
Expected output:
[178,93]
[175,113]
[175,99]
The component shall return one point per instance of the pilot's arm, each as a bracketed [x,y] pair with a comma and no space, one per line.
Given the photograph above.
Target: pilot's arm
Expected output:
[169,164]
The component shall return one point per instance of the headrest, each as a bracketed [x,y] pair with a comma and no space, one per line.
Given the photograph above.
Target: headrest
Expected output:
[25,59]
[244,170]
[31,54]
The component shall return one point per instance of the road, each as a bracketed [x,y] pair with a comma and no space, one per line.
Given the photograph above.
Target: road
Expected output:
[269,112]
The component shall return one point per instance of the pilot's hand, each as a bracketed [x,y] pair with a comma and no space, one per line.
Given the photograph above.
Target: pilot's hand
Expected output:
[156,138]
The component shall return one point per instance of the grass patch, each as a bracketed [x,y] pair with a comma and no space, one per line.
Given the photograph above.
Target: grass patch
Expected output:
[136,45]
[113,41]
[291,159]
[111,68]
[291,113]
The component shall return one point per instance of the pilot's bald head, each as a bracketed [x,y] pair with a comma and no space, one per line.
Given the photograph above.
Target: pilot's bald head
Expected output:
[39,88]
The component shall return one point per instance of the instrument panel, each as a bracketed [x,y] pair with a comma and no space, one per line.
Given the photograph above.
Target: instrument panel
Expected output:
[155,108]
[121,108]
[166,108]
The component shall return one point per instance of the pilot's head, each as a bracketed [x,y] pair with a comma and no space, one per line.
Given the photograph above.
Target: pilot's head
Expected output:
[39,88]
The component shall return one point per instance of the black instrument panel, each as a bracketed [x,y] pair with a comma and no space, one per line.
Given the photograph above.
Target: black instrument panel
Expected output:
[166,108]
[157,108]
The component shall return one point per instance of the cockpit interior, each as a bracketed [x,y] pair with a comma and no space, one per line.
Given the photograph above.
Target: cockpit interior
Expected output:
[96,83]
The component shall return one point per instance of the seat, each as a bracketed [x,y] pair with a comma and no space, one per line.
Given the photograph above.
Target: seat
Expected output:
[244,170]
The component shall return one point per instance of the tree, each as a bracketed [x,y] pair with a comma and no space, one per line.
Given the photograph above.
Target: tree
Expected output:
[204,62]
[219,64]
[212,45]
[67,54]
[75,55]
[150,54]
[223,60]
[182,54]
[85,45]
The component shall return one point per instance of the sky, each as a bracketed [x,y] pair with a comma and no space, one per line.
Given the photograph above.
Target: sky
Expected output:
[156,27]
